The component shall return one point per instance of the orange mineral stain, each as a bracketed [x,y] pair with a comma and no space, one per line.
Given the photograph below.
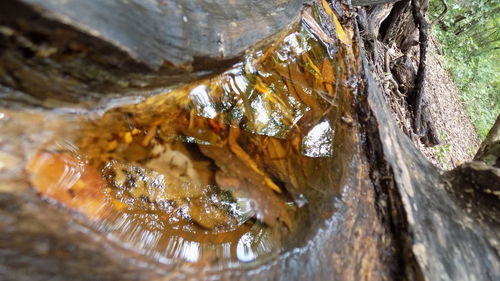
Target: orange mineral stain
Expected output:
[69,181]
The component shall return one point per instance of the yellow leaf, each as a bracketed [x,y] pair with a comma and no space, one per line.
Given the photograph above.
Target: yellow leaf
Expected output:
[242,155]
[261,87]
[338,27]
[127,138]
[312,65]
[327,71]
[112,145]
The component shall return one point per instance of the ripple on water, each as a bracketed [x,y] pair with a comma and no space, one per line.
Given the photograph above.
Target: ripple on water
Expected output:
[214,172]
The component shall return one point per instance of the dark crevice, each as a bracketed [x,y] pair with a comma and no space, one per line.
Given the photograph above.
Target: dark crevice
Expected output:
[385,26]
[387,198]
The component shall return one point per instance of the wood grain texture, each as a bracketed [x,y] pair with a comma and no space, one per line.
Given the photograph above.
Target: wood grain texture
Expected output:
[179,32]
[79,52]
[398,217]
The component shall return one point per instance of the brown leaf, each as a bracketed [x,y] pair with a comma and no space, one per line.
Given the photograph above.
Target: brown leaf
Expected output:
[235,175]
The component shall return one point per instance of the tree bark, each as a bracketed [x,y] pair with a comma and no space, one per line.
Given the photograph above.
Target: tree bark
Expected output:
[489,151]
[398,217]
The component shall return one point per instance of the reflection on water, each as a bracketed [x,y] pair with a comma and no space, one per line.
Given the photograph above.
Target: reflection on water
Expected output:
[68,180]
[248,250]
[214,172]
[319,140]
[204,105]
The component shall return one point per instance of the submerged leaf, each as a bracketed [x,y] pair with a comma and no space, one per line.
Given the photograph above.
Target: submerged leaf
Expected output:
[238,177]
[240,153]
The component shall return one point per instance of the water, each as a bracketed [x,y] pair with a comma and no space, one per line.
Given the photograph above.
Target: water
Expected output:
[225,170]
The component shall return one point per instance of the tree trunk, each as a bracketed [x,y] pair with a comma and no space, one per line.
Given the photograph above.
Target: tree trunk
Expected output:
[489,151]
[397,216]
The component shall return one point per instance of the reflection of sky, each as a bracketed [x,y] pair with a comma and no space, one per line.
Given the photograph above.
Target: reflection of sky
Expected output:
[244,249]
[203,101]
[132,231]
[292,47]
[319,140]
[253,244]
[190,251]
[260,112]
[71,174]
[293,41]
[241,84]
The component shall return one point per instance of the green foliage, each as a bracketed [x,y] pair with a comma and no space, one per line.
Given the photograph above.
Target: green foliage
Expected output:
[441,151]
[470,37]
